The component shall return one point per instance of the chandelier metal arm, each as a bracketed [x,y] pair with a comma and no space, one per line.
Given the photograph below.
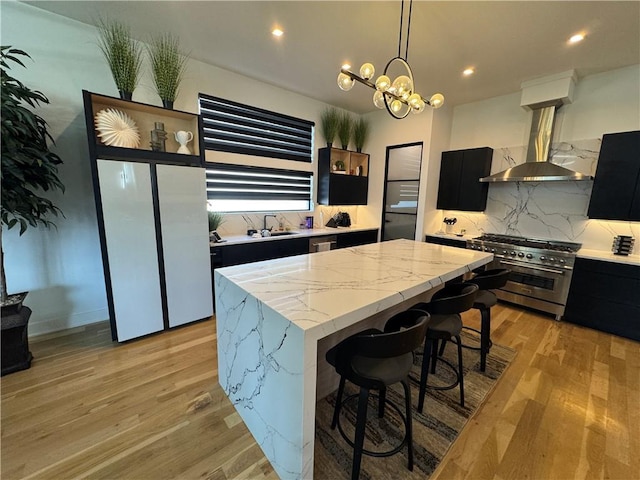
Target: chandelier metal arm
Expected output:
[371,85]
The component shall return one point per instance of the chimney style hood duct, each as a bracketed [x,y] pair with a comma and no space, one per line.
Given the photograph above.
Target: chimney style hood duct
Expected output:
[544,96]
[537,167]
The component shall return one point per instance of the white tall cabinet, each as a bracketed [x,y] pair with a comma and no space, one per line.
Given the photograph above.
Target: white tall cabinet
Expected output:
[153,223]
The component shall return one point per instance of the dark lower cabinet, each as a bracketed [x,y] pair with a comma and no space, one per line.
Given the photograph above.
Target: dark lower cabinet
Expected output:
[605,296]
[450,242]
[353,239]
[460,172]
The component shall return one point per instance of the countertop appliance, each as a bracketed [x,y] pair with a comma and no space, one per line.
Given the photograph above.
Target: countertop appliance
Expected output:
[541,270]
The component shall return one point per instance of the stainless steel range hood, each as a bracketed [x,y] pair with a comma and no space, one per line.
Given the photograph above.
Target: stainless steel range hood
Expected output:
[537,167]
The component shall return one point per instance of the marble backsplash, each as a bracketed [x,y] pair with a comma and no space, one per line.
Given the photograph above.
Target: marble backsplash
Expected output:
[547,210]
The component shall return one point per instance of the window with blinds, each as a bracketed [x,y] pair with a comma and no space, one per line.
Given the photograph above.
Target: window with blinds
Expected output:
[236,128]
[241,188]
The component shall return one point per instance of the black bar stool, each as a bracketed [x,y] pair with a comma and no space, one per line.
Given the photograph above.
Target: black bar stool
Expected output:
[374,360]
[486,281]
[445,325]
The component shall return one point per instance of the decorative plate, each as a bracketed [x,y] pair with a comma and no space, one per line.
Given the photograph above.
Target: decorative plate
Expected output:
[117,129]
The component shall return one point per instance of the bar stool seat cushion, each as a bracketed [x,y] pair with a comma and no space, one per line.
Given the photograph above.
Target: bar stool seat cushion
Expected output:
[444,326]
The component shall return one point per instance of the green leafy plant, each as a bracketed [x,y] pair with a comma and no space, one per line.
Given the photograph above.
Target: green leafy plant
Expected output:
[167,66]
[345,125]
[215,220]
[123,55]
[329,121]
[28,166]
[360,133]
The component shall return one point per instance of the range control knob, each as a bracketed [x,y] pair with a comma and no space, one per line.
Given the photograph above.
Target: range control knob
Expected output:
[562,261]
[542,257]
[486,249]
[493,250]
[521,254]
[529,255]
[551,259]
[512,253]
[504,252]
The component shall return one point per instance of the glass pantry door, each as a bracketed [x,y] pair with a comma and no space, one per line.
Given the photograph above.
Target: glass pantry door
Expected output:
[402,187]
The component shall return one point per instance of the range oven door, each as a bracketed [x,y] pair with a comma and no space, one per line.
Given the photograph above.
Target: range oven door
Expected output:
[541,282]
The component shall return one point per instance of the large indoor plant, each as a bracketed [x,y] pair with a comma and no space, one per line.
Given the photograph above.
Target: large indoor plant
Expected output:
[29,169]
[123,55]
[167,66]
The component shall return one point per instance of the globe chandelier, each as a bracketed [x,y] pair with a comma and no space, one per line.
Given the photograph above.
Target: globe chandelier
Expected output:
[397,96]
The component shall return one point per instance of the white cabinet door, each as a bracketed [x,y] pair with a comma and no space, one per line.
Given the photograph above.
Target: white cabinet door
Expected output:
[185,243]
[129,225]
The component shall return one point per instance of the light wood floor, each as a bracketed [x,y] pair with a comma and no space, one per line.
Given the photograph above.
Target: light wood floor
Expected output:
[567,407]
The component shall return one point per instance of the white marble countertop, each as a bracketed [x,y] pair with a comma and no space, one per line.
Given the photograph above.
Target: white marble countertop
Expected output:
[608,256]
[321,292]
[296,233]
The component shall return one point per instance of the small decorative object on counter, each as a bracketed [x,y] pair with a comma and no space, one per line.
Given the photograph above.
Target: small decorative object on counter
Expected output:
[450,222]
[309,222]
[183,138]
[158,137]
[623,245]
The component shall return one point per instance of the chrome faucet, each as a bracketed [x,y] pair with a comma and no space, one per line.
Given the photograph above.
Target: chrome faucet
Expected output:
[264,227]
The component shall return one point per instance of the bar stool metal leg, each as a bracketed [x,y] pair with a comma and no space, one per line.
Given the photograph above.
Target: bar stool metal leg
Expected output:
[359,438]
[485,337]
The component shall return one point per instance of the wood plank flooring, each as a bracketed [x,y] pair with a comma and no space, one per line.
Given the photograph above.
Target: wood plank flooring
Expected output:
[567,407]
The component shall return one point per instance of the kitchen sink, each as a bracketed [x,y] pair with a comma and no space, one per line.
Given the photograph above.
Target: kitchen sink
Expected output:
[281,234]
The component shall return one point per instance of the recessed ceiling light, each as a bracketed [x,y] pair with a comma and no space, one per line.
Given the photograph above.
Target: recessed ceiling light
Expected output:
[468,71]
[276,32]
[346,66]
[578,37]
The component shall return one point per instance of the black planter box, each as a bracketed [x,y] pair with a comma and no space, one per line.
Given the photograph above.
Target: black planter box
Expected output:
[15,344]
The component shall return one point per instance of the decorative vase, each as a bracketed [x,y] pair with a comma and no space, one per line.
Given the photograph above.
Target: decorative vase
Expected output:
[329,144]
[158,137]
[167,104]
[183,137]
[359,149]
[345,147]
[125,95]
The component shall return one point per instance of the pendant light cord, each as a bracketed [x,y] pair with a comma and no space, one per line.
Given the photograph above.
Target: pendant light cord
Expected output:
[406,51]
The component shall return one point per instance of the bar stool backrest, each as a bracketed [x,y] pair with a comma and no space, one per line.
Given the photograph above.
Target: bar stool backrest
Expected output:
[453,298]
[412,328]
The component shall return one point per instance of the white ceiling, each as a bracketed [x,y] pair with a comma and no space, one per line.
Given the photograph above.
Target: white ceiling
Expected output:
[507,42]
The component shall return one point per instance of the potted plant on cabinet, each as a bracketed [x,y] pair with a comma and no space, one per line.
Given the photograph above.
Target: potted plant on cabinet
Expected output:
[329,121]
[344,129]
[123,55]
[360,133]
[167,66]
[28,169]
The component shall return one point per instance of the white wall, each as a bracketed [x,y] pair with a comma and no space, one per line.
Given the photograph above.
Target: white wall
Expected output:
[62,269]
[603,103]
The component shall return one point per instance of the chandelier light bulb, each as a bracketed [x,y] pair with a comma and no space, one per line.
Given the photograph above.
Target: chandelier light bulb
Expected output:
[413,99]
[378,99]
[383,83]
[419,106]
[367,70]
[345,82]
[436,100]
[402,84]
[396,105]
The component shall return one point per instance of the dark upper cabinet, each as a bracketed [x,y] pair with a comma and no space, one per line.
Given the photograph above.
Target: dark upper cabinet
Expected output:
[460,173]
[616,187]
[342,177]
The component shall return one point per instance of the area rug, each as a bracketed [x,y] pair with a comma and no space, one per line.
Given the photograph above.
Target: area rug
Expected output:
[434,430]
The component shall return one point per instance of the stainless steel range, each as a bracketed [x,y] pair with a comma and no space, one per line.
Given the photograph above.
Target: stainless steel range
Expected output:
[540,269]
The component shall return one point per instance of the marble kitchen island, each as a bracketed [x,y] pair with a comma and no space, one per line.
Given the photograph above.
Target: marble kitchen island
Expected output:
[271,316]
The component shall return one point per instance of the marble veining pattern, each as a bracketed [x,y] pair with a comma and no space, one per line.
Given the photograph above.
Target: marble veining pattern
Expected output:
[549,210]
[271,314]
